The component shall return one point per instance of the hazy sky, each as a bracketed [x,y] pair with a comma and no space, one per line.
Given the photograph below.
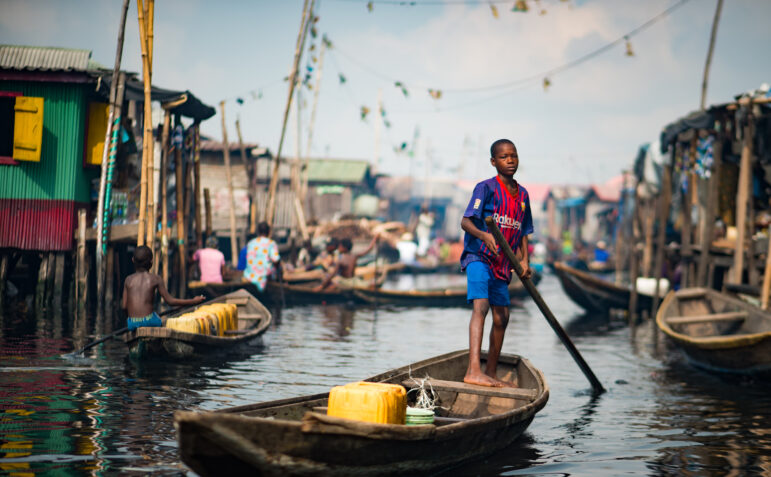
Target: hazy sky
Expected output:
[585,128]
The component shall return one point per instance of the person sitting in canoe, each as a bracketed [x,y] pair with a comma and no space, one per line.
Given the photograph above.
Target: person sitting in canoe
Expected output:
[261,257]
[343,274]
[328,257]
[139,292]
[211,262]
[488,271]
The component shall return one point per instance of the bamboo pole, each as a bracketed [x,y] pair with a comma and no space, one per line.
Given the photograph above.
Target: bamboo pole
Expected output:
[685,215]
[111,118]
[164,201]
[745,176]
[229,173]
[81,279]
[143,12]
[270,206]
[712,36]
[181,236]
[197,178]
[242,149]
[314,108]
[207,206]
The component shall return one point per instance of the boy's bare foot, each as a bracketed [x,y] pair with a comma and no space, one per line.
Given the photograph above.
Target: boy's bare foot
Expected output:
[482,380]
[503,383]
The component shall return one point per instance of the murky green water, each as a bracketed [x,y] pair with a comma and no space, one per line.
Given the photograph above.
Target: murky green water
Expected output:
[106,415]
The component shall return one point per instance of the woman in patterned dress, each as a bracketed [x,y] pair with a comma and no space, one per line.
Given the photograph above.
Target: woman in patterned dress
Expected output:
[261,257]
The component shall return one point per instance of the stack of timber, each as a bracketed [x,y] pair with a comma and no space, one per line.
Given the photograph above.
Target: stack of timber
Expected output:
[253,321]
[455,296]
[716,331]
[295,436]
[595,294]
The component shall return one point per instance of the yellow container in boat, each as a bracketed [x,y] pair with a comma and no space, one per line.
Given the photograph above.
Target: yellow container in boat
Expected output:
[380,403]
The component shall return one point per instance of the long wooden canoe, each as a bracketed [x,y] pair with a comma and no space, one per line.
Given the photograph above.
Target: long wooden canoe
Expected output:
[253,321]
[452,296]
[595,294]
[717,331]
[295,436]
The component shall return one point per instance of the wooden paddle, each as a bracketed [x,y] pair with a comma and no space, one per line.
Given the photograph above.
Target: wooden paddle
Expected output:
[114,334]
[506,248]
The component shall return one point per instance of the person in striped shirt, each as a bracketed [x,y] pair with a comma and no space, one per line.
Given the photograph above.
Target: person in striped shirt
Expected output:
[488,270]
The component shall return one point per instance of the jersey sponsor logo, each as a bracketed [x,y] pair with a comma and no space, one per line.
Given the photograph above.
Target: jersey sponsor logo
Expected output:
[506,222]
[477,203]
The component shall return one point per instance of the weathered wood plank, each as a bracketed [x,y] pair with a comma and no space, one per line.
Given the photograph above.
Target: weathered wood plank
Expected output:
[711,318]
[461,387]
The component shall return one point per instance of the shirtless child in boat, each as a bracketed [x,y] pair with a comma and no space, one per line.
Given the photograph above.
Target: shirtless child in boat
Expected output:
[343,274]
[139,292]
[488,271]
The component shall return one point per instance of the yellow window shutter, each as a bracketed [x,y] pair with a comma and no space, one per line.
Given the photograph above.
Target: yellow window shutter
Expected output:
[28,128]
[98,115]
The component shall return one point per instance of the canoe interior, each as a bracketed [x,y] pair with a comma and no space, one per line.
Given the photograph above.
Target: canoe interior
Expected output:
[717,331]
[454,404]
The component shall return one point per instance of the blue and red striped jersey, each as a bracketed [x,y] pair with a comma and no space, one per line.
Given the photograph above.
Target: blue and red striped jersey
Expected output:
[512,214]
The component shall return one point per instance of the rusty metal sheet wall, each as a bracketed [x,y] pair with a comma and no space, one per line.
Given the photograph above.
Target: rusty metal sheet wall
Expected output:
[34,224]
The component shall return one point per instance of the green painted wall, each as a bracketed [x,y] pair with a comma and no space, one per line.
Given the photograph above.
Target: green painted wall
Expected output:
[60,174]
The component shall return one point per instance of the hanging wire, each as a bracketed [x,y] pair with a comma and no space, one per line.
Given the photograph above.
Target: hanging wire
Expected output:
[550,73]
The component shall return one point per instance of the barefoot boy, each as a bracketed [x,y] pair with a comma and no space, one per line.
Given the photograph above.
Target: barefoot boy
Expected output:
[488,271]
[139,292]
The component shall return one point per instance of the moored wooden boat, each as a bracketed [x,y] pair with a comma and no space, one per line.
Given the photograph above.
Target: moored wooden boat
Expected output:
[451,296]
[253,321]
[595,294]
[295,436]
[306,294]
[717,331]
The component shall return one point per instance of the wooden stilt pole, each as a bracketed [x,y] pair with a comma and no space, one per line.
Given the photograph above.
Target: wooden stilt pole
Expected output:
[710,212]
[685,215]
[113,123]
[3,278]
[650,214]
[109,291]
[164,203]
[661,237]
[229,173]
[745,176]
[766,290]
[207,206]
[81,280]
[316,89]
[270,207]
[40,290]
[144,12]
[181,237]
[58,281]
[197,179]
[712,36]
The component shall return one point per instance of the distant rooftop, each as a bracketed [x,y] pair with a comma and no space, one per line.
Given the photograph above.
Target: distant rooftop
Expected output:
[46,58]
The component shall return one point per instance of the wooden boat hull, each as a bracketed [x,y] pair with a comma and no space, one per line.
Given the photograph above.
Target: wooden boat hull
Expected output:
[285,437]
[253,320]
[725,334]
[451,297]
[595,294]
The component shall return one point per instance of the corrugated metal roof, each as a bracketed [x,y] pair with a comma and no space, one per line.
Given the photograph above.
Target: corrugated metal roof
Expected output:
[337,170]
[215,146]
[14,57]
[34,224]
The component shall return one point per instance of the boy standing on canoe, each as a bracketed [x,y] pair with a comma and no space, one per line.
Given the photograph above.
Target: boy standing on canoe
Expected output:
[488,271]
[139,292]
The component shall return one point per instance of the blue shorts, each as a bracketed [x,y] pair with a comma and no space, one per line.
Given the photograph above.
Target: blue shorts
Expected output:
[481,283]
[151,320]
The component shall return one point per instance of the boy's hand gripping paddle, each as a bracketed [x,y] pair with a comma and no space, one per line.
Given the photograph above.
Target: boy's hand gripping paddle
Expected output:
[506,248]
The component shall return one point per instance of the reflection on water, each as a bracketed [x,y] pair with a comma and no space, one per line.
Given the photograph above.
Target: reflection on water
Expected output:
[104,414]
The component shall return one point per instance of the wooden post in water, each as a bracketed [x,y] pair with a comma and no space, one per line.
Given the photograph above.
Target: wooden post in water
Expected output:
[743,193]
[634,267]
[40,291]
[181,236]
[145,33]
[197,178]
[229,174]
[58,281]
[3,278]
[661,237]
[270,206]
[164,200]
[81,280]
[113,122]
[685,215]
[109,288]
[766,290]
[207,206]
